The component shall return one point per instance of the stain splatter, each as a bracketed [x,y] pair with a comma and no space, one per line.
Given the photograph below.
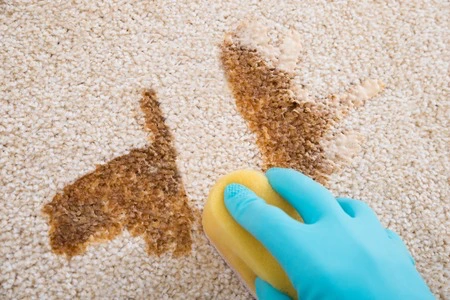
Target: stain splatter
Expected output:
[290,128]
[141,192]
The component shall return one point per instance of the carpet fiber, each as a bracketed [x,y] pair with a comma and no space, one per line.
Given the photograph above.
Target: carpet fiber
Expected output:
[116,118]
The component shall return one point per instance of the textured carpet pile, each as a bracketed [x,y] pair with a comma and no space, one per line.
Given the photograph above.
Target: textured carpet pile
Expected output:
[116,117]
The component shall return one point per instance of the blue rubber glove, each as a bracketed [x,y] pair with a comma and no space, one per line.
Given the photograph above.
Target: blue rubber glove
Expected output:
[341,252]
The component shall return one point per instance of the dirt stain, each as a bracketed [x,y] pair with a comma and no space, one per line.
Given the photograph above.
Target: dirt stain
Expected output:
[141,192]
[289,128]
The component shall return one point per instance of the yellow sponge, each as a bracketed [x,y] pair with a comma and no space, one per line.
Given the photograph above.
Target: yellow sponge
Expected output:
[246,255]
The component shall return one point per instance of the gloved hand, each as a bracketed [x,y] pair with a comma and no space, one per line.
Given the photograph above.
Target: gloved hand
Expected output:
[341,251]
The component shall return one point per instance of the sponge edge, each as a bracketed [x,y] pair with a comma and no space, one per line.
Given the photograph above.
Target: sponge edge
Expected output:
[246,255]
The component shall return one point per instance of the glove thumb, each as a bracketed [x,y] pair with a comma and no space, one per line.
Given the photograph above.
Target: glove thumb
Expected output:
[264,291]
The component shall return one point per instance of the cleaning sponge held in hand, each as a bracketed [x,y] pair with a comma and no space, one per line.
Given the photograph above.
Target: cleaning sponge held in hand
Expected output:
[246,255]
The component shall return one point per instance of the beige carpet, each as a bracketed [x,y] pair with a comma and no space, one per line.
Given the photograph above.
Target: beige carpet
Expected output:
[363,91]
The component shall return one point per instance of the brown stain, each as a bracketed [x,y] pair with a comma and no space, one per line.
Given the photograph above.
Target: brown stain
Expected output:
[141,192]
[289,129]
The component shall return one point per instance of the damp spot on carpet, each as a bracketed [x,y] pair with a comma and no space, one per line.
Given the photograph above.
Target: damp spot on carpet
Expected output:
[290,128]
[141,192]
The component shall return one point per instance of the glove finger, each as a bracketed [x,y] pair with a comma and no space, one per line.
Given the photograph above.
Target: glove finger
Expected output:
[399,242]
[268,224]
[265,291]
[356,208]
[311,200]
